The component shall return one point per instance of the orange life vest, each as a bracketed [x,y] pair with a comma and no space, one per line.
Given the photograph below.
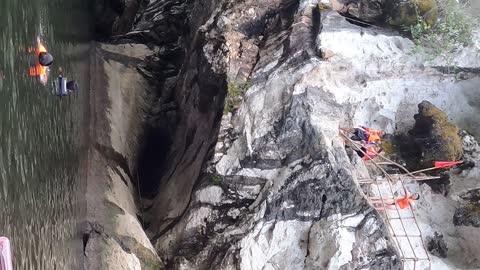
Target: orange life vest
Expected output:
[405,202]
[39,70]
[371,153]
[373,135]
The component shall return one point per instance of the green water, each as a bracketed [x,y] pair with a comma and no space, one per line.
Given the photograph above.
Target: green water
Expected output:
[42,137]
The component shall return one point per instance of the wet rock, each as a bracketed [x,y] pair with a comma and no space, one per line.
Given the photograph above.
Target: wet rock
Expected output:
[114,17]
[437,246]
[433,138]
[114,236]
[114,257]
[472,195]
[403,13]
[468,214]
[440,186]
[210,227]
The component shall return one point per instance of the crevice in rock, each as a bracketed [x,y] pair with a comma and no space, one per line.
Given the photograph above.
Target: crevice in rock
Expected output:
[465,71]
[114,158]
[155,146]
[316,28]
[85,238]
[307,253]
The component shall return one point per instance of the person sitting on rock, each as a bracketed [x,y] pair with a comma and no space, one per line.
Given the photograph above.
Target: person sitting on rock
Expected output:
[364,134]
[401,203]
[371,151]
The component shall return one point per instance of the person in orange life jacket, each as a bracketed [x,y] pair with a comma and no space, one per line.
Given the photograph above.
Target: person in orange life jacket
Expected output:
[402,203]
[43,60]
[371,151]
[364,134]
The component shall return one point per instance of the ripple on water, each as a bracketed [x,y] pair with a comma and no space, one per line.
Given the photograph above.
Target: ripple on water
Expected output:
[38,162]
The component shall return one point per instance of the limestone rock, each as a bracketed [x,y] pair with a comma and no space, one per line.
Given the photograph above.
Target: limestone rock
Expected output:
[284,192]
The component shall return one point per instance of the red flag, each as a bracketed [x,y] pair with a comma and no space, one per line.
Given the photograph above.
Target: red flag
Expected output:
[446,164]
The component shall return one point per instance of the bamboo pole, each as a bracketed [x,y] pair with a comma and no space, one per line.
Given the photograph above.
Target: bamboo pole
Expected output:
[396,207]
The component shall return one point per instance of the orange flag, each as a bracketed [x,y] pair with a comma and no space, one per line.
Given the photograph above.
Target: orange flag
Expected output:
[446,164]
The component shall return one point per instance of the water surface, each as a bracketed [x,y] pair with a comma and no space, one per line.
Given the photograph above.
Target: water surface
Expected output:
[42,137]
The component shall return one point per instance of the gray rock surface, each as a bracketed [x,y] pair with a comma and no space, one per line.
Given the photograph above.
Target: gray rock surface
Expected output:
[268,185]
[114,237]
[301,176]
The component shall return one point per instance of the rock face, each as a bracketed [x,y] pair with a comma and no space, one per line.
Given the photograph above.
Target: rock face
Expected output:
[433,138]
[113,235]
[269,184]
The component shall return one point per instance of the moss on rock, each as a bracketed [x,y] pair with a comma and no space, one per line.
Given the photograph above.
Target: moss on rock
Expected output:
[433,138]
[148,259]
[403,13]
[387,147]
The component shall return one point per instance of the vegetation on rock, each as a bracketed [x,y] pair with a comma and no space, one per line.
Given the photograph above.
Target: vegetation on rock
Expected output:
[216,179]
[235,92]
[452,30]
[407,13]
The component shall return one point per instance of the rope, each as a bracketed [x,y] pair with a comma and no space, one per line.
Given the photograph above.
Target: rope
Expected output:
[140,199]
[395,205]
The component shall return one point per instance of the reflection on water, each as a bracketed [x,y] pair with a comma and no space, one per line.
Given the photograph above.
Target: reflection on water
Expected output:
[41,136]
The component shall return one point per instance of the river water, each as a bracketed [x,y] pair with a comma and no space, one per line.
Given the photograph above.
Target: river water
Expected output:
[42,137]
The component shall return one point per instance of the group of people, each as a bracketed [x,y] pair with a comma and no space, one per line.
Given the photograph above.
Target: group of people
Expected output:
[369,139]
[40,68]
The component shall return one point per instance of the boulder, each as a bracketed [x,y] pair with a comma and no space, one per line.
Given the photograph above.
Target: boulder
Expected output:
[433,138]
[403,13]
[365,10]
[437,245]
[468,214]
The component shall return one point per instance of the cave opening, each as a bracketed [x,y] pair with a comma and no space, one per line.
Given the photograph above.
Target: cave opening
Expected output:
[151,158]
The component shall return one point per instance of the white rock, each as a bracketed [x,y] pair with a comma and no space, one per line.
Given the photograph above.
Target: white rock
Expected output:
[211,195]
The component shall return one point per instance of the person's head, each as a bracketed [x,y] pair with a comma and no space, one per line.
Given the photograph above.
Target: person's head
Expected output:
[45,59]
[415,196]
[72,86]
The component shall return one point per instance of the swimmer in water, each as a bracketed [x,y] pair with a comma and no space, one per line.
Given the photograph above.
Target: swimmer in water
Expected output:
[43,60]
[62,87]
